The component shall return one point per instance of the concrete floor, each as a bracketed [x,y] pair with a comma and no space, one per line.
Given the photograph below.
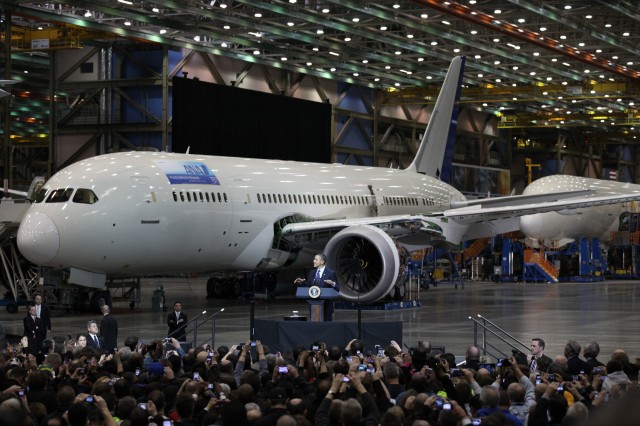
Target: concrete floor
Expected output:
[607,312]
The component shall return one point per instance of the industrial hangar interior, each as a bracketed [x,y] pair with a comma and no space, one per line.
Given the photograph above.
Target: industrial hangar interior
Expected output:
[550,87]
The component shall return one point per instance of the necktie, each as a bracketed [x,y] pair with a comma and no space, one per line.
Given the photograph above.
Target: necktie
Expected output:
[534,364]
[318,275]
[95,339]
[38,311]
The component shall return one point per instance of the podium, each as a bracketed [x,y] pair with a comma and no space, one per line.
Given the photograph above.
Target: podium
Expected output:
[316,296]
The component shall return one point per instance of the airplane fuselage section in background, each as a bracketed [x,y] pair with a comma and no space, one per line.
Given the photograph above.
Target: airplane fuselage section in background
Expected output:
[163,213]
[566,226]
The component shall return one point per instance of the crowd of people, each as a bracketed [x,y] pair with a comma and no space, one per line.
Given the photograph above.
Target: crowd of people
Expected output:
[161,383]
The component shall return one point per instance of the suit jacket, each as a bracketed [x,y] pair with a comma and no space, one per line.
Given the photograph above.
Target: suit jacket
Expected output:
[575,365]
[543,362]
[327,274]
[109,331]
[45,317]
[591,364]
[172,322]
[35,332]
[92,344]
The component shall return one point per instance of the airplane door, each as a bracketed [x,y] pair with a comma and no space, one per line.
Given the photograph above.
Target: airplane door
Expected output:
[377,201]
[146,200]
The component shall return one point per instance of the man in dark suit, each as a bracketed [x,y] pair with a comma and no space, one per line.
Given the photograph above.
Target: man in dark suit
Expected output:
[575,365]
[34,331]
[42,312]
[93,338]
[322,276]
[109,330]
[176,322]
[591,352]
[539,361]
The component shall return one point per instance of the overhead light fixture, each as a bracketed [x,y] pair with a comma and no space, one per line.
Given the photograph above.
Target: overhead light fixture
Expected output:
[196,38]
[256,52]
[224,44]
[223,5]
[156,10]
[163,31]
[125,2]
[127,23]
[87,14]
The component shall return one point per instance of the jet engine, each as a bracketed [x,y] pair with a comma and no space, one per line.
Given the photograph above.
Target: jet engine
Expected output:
[368,263]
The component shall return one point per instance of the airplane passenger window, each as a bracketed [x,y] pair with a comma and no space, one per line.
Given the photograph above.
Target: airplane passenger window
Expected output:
[225,197]
[182,196]
[40,195]
[60,195]
[175,196]
[188,196]
[201,197]
[85,196]
[206,194]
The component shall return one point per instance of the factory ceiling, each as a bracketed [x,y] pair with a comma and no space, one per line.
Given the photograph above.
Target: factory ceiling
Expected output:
[535,63]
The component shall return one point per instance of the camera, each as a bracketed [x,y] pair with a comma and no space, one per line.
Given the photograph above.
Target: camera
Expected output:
[137,371]
[210,386]
[315,346]
[371,370]
[209,359]
[560,388]
[476,422]
[439,402]
[456,372]
[503,362]
[211,354]
[143,405]
[575,377]
[362,367]
[538,379]
[196,375]
[283,370]
[345,379]
[21,392]
[379,351]
[446,406]
[167,423]
[253,343]
[551,377]
[81,370]
[89,399]
[490,367]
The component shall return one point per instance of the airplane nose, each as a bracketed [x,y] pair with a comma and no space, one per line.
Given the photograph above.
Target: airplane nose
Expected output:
[38,238]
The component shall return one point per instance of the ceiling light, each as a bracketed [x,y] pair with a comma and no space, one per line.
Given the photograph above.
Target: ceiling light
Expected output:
[515,67]
[355,19]
[536,53]
[496,62]
[227,27]
[332,69]
[376,79]
[409,35]
[420,59]
[477,56]
[365,61]
[429,77]
[588,16]
[397,84]
[256,52]
[258,15]
[383,28]
[387,67]
[456,50]
[498,80]
[497,11]
[607,25]
[283,59]
[290,24]
[156,10]
[293,1]
[563,37]
[224,44]
[355,74]
[396,6]
[398,52]
[567,7]
[127,23]
[334,53]
[195,38]
[125,2]
[309,64]
[163,31]
[522,20]
[87,14]
[325,10]
[480,75]
[316,49]
[347,39]
[532,73]
[434,43]
[474,32]
[625,34]
[320,31]
[446,22]
[543,28]
[496,40]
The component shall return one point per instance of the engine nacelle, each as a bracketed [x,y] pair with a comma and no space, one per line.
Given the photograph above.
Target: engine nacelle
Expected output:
[367,261]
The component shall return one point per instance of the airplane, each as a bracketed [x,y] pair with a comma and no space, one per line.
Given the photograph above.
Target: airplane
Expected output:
[4,93]
[565,226]
[150,213]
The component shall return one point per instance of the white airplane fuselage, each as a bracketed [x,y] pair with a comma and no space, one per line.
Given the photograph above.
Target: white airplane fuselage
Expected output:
[566,226]
[160,213]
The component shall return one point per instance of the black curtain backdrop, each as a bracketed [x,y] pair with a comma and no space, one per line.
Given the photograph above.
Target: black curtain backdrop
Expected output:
[220,120]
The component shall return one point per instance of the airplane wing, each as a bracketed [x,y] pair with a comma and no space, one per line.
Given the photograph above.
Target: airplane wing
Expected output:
[481,219]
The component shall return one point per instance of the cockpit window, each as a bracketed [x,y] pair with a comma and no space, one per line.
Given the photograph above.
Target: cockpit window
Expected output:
[59,195]
[40,195]
[85,196]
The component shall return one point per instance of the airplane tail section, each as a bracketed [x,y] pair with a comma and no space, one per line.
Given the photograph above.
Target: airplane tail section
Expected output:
[435,153]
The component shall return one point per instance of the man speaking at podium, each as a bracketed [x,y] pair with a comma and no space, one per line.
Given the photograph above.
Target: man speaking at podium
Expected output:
[322,276]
